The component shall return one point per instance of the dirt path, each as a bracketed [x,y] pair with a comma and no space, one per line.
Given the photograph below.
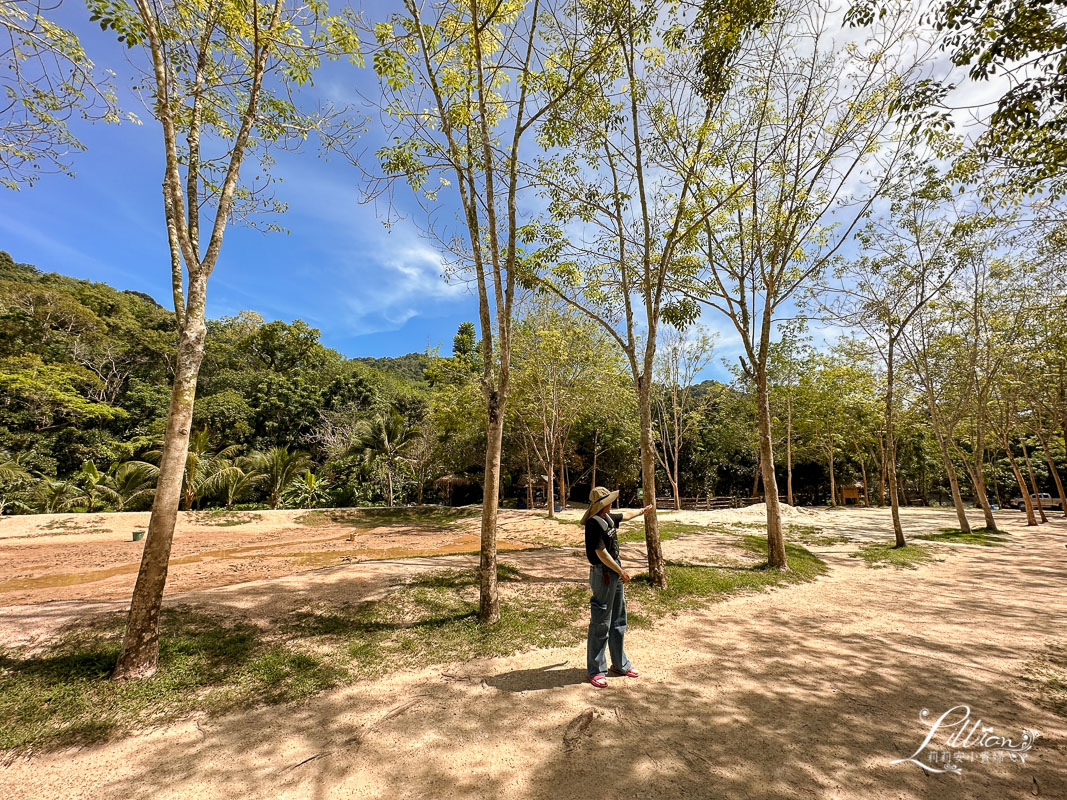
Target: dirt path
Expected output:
[809,691]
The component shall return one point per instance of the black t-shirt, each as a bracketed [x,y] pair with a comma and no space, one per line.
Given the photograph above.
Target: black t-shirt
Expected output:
[596,536]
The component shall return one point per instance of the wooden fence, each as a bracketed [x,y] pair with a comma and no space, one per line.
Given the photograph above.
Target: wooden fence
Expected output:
[706,503]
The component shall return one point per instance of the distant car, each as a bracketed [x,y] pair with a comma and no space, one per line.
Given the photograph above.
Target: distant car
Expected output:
[1047,502]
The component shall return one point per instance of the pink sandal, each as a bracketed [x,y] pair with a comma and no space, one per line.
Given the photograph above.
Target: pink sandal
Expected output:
[599,681]
[630,673]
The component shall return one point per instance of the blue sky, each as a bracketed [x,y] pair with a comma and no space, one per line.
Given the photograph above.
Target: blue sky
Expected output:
[370,292]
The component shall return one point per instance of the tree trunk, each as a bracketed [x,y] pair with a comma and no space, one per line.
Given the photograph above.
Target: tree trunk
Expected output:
[953,483]
[139,656]
[881,472]
[946,459]
[529,482]
[977,477]
[775,540]
[488,601]
[656,572]
[1033,484]
[562,480]
[551,487]
[833,483]
[863,473]
[595,453]
[789,449]
[389,485]
[1055,472]
[891,452]
[1027,505]
[675,485]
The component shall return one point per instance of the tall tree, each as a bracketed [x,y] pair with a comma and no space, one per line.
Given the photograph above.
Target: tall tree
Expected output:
[622,192]
[465,85]
[811,119]
[207,65]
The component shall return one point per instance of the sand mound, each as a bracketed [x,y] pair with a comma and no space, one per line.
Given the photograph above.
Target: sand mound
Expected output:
[759,512]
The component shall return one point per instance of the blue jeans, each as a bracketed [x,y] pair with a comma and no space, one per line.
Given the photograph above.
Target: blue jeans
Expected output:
[607,622]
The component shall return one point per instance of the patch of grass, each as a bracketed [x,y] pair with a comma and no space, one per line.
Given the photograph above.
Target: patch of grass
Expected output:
[84,525]
[910,556]
[690,585]
[813,535]
[423,516]
[562,521]
[667,531]
[1046,677]
[62,696]
[986,537]
[221,518]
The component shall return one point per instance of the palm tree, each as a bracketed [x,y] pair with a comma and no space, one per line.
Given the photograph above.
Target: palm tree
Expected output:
[50,496]
[307,491]
[132,480]
[89,484]
[384,440]
[236,478]
[201,464]
[279,467]
[12,480]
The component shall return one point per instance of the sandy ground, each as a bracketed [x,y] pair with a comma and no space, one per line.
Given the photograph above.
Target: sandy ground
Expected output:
[807,691]
[54,563]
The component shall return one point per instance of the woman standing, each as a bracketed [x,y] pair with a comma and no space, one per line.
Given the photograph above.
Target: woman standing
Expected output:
[607,608]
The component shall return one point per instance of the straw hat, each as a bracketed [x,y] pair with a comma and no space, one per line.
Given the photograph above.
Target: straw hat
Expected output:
[599,498]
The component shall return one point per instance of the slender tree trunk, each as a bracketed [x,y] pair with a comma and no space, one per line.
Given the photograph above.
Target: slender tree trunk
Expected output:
[946,459]
[529,482]
[140,646]
[775,540]
[1031,519]
[863,472]
[596,437]
[675,485]
[789,449]
[488,602]
[891,453]
[656,572]
[977,477]
[756,475]
[953,483]
[833,482]
[1055,472]
[1033,484]
[881,472]
[563,481]
[551,488]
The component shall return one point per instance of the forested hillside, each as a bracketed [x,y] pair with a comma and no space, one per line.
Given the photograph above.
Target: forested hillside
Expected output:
[281,420]
[85,374]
